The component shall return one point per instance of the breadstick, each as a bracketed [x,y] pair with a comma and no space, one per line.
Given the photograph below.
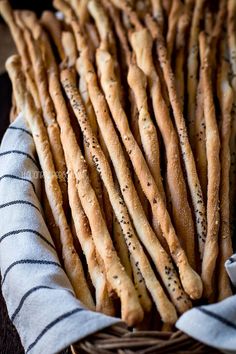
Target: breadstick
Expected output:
[17,35]
[115,273]
[121,247]
[164,306]
[109,84]
[71,260]
[52,227]
[14,109]
[69,47]
[53,27]
[179,62]
[81,10]
[216,32]
[94,175]
[232,57]
[175,177]
[225,95]
[213,173]
[145,233]
[157,13]
[187,154]
[137,82]
[192,65]
[200,140]
[175,11]
[103,302]
[48,114]
[30,20]
[140,287]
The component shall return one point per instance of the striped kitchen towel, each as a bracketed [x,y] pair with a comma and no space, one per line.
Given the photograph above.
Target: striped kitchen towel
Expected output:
[38,294]
[215,324]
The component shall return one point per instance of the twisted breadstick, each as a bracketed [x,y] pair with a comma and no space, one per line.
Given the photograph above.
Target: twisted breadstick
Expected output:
[53,27]
[164,306]
[179,62]
[187,154]
[192,65]
[176,183]
[48,111]
[103,302]
[200,140]
[213,169]
[157,13]
[116,275]
[71,260]
[225,95]
[145,233]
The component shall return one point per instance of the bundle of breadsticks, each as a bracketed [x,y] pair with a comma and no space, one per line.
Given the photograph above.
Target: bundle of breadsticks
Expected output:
[132,107]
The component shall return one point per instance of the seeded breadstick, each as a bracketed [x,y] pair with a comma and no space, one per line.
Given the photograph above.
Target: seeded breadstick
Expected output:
[231,36]
[190,280]
[148,133]
[187,154]
[200,140]
[176,183]
[17,35]
[48,113]
[164,306]
[71,260]
[53,27]
[192,64]
[94,175]
[146,235]
[140,287]
[225,95]
[103,302]
[121,247]
[213,173]
[115,273]
[160,258]
[69,46]
[175,12]
[179,62]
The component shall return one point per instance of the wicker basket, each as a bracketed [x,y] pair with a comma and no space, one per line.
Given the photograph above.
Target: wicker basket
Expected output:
[122,341]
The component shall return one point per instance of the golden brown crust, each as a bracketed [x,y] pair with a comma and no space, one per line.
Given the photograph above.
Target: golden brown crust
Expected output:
[164,306]
[213,168]
[176,184]
[175,12]
[53,27]
[116,276]
[187,154]
[192,65]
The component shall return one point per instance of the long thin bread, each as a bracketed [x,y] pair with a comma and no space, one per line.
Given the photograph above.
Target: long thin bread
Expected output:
[164,306]
[175,178]
[103,302]
[213,173]
[71,260]
[187,154]
[116,275]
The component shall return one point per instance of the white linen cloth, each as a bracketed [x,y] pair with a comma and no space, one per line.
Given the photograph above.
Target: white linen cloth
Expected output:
[38,294]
